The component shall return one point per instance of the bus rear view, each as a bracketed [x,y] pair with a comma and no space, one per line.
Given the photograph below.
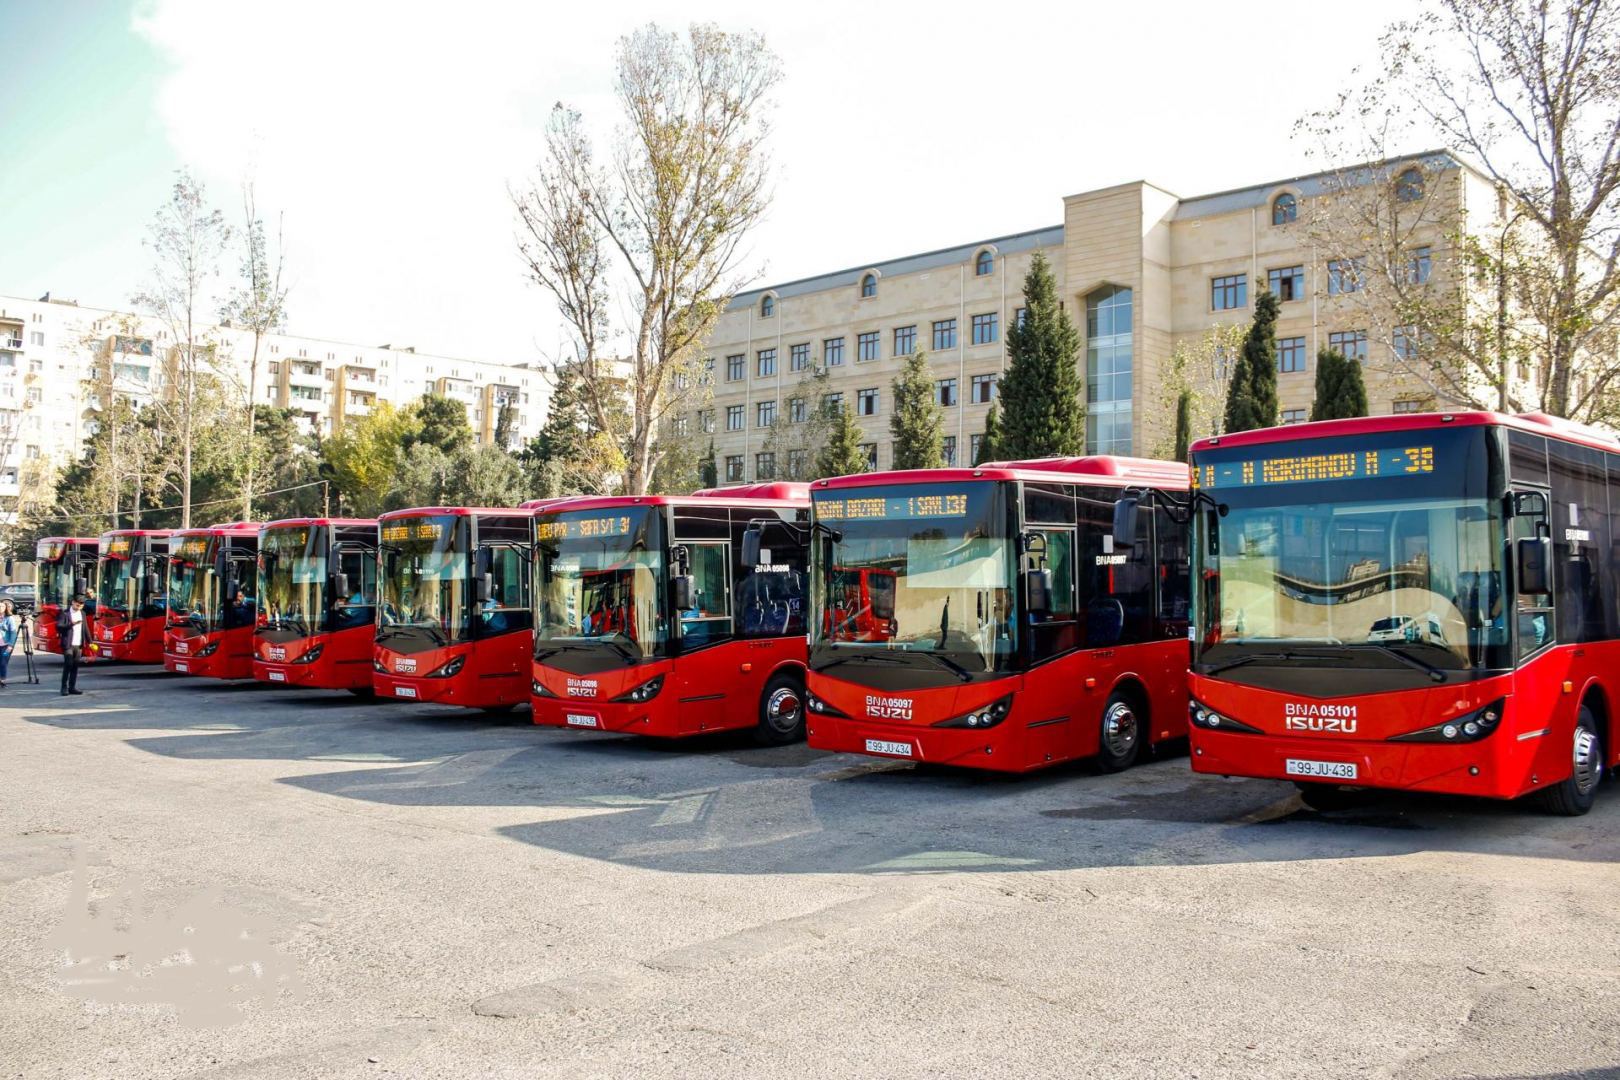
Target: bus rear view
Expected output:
[1423,603]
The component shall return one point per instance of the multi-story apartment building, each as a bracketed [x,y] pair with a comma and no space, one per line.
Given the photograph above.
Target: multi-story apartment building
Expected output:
[59,359]
[1139,268]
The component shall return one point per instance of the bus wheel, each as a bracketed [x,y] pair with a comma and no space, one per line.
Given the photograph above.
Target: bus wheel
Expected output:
[781,712]
[1121,738]
[1326,797]
[366,692]
[498,710]
[1576,794]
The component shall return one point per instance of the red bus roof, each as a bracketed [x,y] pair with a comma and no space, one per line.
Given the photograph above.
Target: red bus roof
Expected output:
[234,528]
[708,497]
[1106,469]
[68,540]
[137,532]
[1537,423]
[295,523]
[467,511]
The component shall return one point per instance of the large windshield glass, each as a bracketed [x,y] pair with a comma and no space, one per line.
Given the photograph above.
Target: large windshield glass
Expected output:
[599,580]
[193,581]
[292,577]
[118,578]
[51,572]
[918,575]
[1377,552]
[426,575]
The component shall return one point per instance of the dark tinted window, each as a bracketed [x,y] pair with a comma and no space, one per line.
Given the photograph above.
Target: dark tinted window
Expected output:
[1580,528]
[1116,587]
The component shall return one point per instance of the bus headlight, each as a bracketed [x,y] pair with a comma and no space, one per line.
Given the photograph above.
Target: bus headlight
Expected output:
[645,692]
[1470,727]
[821,708]
[312,655]
[983,717]
[539,689]
[131,634]
[449,667]
[1202,716]
[377,666]
[207,650]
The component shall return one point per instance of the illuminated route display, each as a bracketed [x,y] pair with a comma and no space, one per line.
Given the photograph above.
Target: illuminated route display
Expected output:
[589,527]
[1391,461]
[395,531]
[943,504]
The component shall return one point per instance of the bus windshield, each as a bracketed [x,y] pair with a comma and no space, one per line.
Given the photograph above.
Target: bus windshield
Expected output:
[1381,552]
[118,580]
[53,573]
[193,581]
[918,575]
[600,582]
[292,576]
[427,576]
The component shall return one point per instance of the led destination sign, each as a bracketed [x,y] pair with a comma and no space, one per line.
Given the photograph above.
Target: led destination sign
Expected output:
[1305,468]
[583,528]
[881,508]
[395,531]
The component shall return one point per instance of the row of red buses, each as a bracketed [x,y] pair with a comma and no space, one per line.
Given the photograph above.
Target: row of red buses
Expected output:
[132,594]
[317,591]
[673,615]
[64,565]
[211,602]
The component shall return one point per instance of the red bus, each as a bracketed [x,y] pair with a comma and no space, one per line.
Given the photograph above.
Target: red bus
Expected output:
[659,615]
[1416,602]
[1018,636]
[64,565]
[317,603]
[453,617]
[131,597]
[212,584]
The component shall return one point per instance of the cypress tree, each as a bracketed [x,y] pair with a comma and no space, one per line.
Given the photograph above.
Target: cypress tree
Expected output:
[1340,391]
[709,468]
[1183,424]
[841,455]
[990,445]
[916,422]
[1251,400]
[1042,396]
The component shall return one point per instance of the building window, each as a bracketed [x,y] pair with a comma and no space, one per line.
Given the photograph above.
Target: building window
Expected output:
[767,363]
[706,421]
[1349,343]
[984,264]
[866,402]
[1229,292]
[984,389]
[734,368]
[734,417]
[832,351]
[832,404]
[799,357]
[767,307]
[868,346]
[1109,356]
[1287,282]
[36,337]
[30,451]
[944,334]
[1406,342]
[975,446]
[1291,354]
[905,340]
[1418,264]
[798,410]
[681,427]
[985,328]
[870,450]
[798,465]
[734,471]
[1409,185]
[1020,315]
[945,391]
[708,371]
[34,395]
[948,448]
[1284,208]
[764,413]
[1344,276]
[868,286]
[765,466]
[1293,416]
[1413,405]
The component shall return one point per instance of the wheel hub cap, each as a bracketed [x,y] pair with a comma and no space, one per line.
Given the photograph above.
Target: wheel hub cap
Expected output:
[783,709]
[1588,760]
[1119,729]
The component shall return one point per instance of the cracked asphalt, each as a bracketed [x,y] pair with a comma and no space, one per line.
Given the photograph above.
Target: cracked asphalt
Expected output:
[211,880]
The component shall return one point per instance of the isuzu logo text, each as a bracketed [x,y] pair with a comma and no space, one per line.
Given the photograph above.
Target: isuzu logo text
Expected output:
[888,708]
[404,663]
[581,687]
[1316,716]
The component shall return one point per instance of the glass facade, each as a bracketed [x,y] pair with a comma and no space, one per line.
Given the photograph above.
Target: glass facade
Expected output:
[1108,371]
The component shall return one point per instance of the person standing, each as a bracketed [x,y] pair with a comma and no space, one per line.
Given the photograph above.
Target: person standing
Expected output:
[10,626]
[73,630]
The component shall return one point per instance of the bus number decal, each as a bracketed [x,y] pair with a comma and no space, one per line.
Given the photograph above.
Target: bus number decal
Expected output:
[888,708]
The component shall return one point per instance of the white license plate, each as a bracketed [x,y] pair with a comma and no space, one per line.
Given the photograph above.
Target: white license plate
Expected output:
[884,746]
[1327,770]
[181,667]
[278,676]
[404,691]
[581,720]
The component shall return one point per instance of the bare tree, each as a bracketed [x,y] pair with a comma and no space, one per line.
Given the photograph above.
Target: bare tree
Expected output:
[187,239]
[667,216]
[1520,303]
[1203,367]
[259,306]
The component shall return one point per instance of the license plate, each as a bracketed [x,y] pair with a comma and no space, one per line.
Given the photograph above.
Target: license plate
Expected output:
[278,676]
[404,691]
[581,720]
[181,667]
[1328,770]
[884,746]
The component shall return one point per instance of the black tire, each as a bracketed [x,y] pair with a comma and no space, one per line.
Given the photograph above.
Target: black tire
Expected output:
[1122,731]
[498,710]
[781,711]
[1326,797]
[1575,794]
[367,692]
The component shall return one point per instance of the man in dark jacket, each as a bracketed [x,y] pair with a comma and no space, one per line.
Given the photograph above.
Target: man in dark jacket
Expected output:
[73,631]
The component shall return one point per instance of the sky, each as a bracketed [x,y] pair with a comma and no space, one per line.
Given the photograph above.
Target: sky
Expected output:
[384,136]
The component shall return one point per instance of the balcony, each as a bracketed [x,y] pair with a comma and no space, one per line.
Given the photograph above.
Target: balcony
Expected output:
[458,389]
[12,344]
[300,373]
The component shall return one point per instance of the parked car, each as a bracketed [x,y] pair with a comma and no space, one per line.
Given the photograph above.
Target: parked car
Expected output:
[20,593]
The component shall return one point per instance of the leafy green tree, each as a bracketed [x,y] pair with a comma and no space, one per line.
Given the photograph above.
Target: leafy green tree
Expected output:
[841,454]
[361,460]
[709,468]
[506,424]
[572,454]
[916,422]
[990,445]
[489,476]
[1183,425]
[797,443]
[1251,401]
[425,476]
[1341,393]
[440,421]
[1043,412]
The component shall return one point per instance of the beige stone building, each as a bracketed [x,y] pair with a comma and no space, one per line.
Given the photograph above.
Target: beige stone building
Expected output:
[1140,269]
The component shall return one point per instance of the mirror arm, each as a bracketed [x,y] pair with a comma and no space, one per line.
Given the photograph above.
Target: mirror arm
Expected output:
[1180,512]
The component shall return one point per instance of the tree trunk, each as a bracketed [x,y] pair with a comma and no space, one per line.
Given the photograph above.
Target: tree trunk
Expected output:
[253,399]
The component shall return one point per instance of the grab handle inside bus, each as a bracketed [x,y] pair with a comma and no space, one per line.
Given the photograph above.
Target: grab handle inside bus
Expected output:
[1125,521]
[1535,564]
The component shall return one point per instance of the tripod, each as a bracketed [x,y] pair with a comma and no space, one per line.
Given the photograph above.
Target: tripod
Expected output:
[28,647]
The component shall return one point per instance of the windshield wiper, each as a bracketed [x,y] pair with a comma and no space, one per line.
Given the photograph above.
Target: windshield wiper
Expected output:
[1255,657]
[951,665]
[1413,662]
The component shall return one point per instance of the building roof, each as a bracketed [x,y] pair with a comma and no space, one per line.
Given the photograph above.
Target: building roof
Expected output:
[1310,184]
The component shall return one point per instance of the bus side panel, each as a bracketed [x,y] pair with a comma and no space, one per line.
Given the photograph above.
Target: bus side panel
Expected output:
[1061,706]
[720,687]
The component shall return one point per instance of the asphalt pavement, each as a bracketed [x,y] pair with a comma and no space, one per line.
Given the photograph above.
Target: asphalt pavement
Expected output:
[200,879]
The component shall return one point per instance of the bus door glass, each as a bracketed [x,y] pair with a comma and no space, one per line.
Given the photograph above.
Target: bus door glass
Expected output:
[709,618]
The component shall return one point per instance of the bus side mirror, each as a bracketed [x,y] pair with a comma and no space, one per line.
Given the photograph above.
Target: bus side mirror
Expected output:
[153,584]
[340,585]
[486,586]
[1535,565]
[1038,590]
[81,585]
[750,545]
[232,587]
[1125,522]
[681,585]
[9,564]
